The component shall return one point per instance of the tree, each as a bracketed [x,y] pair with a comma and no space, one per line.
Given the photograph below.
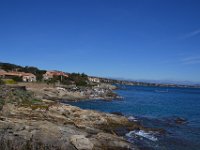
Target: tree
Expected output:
[54,80]
[74,78]
[17,79]
[28,69]
[9,67]
[39,74]
[79,79]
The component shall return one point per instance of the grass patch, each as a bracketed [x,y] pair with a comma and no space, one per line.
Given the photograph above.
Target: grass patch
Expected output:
[9,81]
[18,97]
[35,101]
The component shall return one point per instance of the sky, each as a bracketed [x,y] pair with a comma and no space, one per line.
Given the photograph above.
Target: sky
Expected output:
[129,39]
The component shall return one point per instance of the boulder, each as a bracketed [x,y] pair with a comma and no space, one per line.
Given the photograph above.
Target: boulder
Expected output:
[81,142]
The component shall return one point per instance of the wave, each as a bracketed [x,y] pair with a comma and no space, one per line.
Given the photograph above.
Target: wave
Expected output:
[141,133]
[131,118]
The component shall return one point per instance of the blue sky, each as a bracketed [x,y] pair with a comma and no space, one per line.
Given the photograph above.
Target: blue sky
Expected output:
[131,39]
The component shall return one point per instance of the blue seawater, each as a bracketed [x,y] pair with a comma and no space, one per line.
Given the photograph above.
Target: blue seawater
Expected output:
[157,107]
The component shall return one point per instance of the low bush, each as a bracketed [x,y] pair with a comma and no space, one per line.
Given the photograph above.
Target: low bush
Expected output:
[17,79]
[9,81]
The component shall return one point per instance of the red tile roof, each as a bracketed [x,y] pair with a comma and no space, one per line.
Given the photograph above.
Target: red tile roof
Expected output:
[55,73]
[19,74]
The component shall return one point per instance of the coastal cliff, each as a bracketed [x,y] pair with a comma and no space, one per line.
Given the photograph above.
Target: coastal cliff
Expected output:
[30,123]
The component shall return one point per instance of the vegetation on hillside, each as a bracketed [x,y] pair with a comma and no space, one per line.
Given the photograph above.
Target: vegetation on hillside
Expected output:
[74,78]
[9,67]
[79,79]
[17,96]
[16,78]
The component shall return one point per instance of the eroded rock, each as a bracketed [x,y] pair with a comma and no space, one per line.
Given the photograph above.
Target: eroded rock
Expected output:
[81,142]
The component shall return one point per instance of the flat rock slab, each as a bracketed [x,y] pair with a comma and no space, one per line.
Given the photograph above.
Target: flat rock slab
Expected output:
[81,142]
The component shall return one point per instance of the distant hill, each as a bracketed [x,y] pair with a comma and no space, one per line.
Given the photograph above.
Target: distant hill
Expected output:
[9,67]
[172,82]
[150,83]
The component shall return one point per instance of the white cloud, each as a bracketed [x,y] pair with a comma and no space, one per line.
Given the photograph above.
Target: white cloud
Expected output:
[191,60]
[192,34]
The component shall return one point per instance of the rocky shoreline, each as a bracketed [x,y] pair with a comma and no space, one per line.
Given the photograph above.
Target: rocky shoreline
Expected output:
[30,123]
[72,93]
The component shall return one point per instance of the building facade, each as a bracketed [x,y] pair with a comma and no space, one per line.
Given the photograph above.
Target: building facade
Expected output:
[50,74]
[94,79]
[26,77]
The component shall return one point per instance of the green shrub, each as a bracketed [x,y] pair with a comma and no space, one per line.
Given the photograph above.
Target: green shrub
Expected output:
[9,81]
[17,79]
[79,79]
[74,78]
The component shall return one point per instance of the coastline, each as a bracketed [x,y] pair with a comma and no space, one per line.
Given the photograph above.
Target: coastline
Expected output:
[87,123]
[175,111]
[88,120]
[41,124]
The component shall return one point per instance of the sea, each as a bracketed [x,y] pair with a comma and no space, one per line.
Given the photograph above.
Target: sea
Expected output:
[157,107]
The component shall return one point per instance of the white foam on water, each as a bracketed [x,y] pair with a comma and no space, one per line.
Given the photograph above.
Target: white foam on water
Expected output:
[130,133]
[131,118]
[147,135]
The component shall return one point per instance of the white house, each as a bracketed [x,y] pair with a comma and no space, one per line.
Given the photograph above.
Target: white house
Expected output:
[50,74]
[28,77]
[94,79]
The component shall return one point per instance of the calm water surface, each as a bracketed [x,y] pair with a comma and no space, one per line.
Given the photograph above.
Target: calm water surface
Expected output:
[157,107]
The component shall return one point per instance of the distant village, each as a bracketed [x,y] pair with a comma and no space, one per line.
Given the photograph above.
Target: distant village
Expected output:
[30,77]
[33,74]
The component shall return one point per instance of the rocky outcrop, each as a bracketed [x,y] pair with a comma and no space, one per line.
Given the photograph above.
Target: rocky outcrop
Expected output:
[71,93]
[45,125]
[58,127]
